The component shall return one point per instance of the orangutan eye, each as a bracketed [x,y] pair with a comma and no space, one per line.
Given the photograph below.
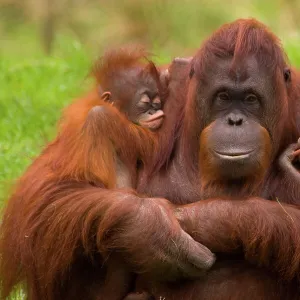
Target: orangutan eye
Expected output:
[144,102]
[222,100]
[223,96]
[251,99]
[145,99]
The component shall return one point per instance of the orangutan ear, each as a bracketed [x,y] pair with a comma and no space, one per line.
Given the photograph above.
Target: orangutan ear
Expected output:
[192,71]
[106,96]
[287,75]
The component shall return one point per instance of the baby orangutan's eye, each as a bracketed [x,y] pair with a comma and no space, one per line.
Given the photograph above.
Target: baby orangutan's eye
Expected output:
[144,101]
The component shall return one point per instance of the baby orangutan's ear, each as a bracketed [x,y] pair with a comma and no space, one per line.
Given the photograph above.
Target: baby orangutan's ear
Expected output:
[106,96]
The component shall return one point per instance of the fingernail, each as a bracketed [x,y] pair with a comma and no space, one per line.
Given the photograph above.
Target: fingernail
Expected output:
[209,263]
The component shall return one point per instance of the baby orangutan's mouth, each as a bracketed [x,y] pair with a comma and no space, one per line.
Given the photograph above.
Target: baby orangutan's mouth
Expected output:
[154,122]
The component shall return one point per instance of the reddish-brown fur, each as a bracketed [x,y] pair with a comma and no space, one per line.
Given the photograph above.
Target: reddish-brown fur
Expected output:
[57,226]
[114,61]
[80,159]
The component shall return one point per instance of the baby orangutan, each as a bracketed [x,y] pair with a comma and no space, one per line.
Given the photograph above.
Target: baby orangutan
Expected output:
[133,89]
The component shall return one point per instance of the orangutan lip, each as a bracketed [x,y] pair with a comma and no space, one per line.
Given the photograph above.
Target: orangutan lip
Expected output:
[159,116]
[233,156]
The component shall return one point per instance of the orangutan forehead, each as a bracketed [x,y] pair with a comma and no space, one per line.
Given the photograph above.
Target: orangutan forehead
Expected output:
[246,70]
[247,75]
[132,80]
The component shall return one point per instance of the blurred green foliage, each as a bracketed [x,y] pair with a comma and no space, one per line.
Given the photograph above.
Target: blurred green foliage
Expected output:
[168,27]
[32,94]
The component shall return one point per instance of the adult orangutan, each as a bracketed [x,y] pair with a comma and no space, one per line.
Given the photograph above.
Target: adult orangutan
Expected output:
[237,101]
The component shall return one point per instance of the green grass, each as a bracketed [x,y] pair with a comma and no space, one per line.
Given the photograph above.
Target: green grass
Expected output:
[33,92]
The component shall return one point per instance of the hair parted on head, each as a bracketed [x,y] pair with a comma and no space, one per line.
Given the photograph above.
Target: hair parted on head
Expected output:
[239,40]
